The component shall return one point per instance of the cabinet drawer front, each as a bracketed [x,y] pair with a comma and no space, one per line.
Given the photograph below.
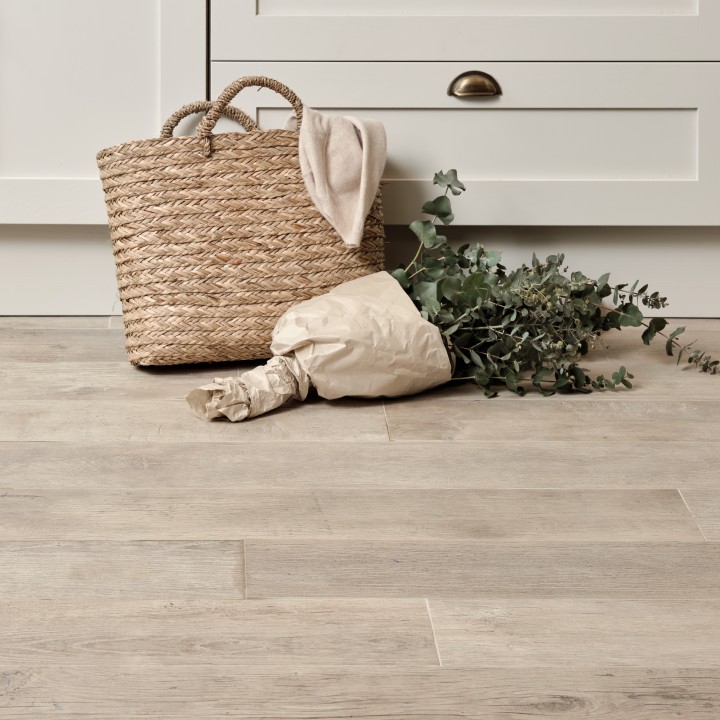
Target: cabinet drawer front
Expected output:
[466,30]
[566,144]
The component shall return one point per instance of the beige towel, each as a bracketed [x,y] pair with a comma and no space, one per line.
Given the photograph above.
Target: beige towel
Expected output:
[342,161]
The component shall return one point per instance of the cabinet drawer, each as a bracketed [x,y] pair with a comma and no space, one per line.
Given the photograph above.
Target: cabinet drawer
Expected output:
[465,30]
[566,143]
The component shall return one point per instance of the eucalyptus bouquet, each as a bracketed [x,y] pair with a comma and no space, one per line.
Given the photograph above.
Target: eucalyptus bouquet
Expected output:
[534,323]
[463,315]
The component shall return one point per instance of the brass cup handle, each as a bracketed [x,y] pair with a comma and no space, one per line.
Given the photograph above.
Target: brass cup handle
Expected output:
[474,83]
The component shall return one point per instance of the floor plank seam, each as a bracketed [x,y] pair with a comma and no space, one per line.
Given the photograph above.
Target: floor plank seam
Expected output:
[432,628]
[387,425]
[692,514]
[245,582]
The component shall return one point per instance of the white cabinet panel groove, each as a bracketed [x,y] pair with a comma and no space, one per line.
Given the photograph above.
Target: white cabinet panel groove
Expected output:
[469,8]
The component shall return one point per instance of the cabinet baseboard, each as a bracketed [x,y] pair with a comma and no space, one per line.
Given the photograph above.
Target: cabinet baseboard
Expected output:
[69,270]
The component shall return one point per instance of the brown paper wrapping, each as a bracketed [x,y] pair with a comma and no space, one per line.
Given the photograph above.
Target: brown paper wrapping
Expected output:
[365,338]
[253,393]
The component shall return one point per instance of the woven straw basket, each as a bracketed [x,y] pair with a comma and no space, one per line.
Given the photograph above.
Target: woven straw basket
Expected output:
[215,236]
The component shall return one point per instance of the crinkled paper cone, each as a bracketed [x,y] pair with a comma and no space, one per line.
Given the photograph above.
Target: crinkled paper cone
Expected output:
[253,393]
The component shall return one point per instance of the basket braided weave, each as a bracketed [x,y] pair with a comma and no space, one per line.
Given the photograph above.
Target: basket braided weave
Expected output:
[215,236]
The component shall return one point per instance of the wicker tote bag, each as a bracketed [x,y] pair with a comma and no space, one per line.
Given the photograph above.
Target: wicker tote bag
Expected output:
[215,236]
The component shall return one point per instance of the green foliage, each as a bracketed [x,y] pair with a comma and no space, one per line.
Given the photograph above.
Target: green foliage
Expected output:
[449,181]
[529,325]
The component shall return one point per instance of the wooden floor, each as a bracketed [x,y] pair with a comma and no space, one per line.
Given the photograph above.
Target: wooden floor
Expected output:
[442,556]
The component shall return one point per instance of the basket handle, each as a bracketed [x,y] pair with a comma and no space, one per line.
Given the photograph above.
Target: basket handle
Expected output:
[206,125]
[203,106]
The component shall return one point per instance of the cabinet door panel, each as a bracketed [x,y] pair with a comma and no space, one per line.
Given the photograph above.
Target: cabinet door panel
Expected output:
[567,143]
[630,30]
[81,75]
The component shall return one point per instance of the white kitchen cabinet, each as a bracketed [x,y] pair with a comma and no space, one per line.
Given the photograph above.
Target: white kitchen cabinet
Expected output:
[608,117]
[465,30]
[80,75]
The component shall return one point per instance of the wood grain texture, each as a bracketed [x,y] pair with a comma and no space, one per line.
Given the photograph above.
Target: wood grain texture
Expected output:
[561,572]
[575,419]
[577,633]
[107,690]
[254,634]
[44,345]
[281,568]
[319,465]
[54,323]
[529,515]
[113,401]
[116,570]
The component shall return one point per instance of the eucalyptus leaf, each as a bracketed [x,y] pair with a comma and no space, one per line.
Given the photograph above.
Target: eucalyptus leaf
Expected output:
[669,344]
[630,315]
[476,358]
[402,277]
[427,234]
[451,288]
[656,325]
[449,180]
[427,294]
[603,279]
[441,208]
[492,258]
[481,377]
[475,290]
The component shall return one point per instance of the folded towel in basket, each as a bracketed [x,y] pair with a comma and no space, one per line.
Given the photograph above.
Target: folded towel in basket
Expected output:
[342,161]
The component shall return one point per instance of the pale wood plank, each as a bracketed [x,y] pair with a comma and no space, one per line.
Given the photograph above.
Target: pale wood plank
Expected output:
[659,379]
[106,690]
[558,515]
[56,322]
[274,634]
[116,321]
[460,414]
[261,465]
[282,568]
[105,569]
[577,633]
[704,504]
[655,371]
[45,345]
[114,401]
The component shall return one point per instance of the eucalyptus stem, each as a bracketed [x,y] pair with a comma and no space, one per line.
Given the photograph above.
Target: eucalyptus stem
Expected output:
[415,259]
[421,246]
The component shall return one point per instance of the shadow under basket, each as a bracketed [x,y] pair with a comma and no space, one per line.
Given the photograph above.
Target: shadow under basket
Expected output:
[216,236]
